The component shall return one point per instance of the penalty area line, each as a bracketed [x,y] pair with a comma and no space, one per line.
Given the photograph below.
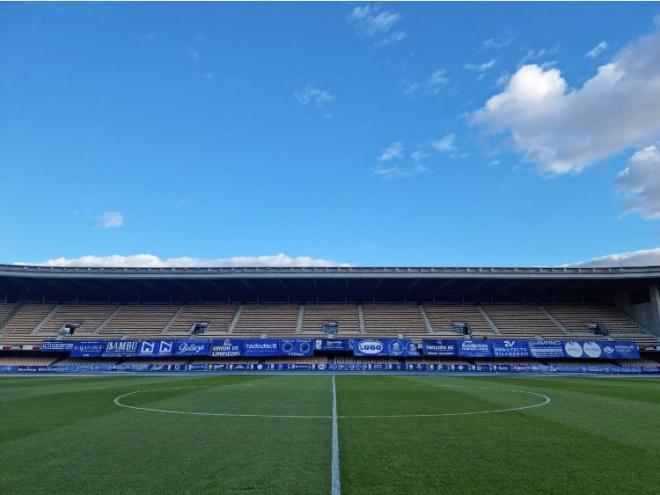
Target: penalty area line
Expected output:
[336,485]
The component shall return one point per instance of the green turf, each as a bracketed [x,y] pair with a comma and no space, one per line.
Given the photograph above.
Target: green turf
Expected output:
[65,435]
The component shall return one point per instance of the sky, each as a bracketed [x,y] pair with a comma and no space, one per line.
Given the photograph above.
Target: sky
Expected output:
[368,134]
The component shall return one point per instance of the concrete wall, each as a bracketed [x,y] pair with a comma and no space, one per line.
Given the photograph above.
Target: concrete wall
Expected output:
[646,314]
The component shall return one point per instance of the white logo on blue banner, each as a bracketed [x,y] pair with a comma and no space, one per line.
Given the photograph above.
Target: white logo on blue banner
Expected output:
[370,347]
[121,348]
[573,349]
[592,349]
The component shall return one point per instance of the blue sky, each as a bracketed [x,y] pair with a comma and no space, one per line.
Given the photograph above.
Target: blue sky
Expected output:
[370,134]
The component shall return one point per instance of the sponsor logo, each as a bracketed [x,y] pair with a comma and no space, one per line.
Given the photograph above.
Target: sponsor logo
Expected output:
[371,347]
[573,349]
[608,349]
[190,347]
[147,347]
[395,348]
[592,349]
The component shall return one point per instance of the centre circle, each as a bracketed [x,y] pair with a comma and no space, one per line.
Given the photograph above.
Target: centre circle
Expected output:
[542,400]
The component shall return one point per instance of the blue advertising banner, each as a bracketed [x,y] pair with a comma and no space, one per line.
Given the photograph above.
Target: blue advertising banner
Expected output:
[510,348]
[121,348]
[439,347]
[622,350]
[155,348]
[296,347]
[384,347]
[226,348]
[474,348]
[261,347]
[88,348]
[191,348]
[601,349]
[333,345]
[56,346]
[546,349]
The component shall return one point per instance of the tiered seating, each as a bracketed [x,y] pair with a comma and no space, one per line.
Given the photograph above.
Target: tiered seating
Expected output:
[138,321]
[4,311]
[576,318]
[272,320]
[26,361]
[18,330]
[218,316]
[523,322]
[90,361]
[345,314]
[393,320]
[442,318]
[88,316]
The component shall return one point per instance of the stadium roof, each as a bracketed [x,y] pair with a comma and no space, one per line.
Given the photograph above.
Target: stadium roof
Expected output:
[323,284]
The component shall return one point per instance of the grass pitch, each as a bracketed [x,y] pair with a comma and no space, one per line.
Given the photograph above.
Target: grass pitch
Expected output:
[263,434]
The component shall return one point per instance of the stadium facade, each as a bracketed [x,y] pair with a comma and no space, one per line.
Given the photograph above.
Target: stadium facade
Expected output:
[418,309]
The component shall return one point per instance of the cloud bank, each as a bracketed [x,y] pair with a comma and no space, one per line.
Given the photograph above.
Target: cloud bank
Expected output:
[563,130]
[280,260]
[643,257]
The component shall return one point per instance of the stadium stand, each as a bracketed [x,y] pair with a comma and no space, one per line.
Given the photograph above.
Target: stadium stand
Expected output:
[395,319]
[89,317]
[523,322]
[270,320]
[345,314]
[444,317]
[20,328]
[578,319]
[137,321]
[218,317]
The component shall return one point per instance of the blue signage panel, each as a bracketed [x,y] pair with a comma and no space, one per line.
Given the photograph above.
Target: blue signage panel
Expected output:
[474,348]
[296,347]
[56,345]
[226,348]
[510,348]
[155,348]
[384,347]
[439,347]
[121,348]
[604,349]
[88,348]
[332,345]
[546,349]
[622,350]
[261,347]
[191,348]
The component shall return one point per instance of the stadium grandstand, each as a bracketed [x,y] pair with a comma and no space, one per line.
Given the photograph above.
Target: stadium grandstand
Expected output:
[331,312]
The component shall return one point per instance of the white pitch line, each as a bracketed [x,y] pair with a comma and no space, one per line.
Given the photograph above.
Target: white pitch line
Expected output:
[334,417]
[336,484]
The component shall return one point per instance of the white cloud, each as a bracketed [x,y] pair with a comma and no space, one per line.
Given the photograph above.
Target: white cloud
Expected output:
[446,143]
[482,67]
[111,220]
[643,257]
[433,84]
[564,130]
[373,22]
[194,54]
[533,55]
[399,171]
[597,50]
[153,261]
[497,43]
[313,96]
[394,150]
[640,181]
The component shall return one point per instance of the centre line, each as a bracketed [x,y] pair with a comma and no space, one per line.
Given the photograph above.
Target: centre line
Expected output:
[336,486]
